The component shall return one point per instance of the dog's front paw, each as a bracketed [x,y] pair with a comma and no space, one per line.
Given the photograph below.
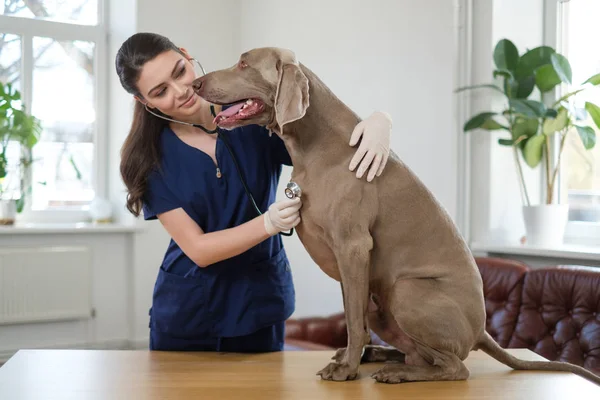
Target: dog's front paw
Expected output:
[339,355]
[338,372]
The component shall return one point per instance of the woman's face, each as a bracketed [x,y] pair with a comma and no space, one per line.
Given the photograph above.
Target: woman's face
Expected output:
[165,82]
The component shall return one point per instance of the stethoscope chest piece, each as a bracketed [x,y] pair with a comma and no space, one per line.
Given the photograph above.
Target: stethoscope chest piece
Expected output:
[293,190]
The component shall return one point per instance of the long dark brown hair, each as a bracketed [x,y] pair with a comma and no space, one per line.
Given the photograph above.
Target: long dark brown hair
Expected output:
[140,152]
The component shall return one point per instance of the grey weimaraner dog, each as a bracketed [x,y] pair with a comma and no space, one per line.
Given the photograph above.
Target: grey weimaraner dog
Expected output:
[406,272]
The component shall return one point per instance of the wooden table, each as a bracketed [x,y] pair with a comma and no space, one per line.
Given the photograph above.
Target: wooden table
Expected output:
[133,375]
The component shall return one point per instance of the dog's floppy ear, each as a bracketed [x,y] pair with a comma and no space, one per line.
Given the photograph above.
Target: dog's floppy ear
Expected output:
[291,98]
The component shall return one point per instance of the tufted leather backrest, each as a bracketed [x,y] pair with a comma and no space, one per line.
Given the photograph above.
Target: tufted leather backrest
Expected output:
[560,315]
[502,288]
[329,331]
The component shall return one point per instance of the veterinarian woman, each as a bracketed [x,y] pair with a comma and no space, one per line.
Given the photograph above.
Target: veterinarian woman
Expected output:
[225,282]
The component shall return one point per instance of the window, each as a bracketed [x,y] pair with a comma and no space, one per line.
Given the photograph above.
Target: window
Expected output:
[580,175]
[52,51]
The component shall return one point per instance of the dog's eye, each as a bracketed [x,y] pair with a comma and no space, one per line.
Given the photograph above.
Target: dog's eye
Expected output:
[242,64]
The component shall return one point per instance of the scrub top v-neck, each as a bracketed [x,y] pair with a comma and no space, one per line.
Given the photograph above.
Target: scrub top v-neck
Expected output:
[239,295]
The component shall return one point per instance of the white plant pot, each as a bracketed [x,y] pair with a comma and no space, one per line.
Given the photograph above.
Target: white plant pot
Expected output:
[8,212]
[100,210]
[545,224]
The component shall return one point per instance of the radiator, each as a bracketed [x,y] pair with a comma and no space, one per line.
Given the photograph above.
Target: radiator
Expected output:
[45,284]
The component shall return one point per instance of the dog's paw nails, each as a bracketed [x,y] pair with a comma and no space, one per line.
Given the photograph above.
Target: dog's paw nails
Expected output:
[386,377]
[338,372]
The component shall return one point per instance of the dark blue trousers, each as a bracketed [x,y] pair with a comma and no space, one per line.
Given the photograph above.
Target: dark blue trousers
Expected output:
[264,340]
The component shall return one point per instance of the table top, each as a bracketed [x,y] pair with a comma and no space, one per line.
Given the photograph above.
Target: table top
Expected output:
[115,375]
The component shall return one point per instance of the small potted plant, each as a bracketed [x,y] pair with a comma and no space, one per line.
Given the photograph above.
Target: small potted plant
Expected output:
[536,124]
[15,126]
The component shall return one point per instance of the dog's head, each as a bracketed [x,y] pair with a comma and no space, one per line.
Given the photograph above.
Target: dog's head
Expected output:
[265,87]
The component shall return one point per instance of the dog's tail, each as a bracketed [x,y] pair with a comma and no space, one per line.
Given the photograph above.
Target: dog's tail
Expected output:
[488,345]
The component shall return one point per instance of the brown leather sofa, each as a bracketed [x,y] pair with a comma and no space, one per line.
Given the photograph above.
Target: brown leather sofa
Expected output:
[553,311]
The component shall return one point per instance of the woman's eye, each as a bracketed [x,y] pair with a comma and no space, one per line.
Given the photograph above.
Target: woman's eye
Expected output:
[161,92]
[181,72]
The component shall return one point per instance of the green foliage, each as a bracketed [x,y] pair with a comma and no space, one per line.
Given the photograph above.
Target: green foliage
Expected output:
[15,126]
[529,122]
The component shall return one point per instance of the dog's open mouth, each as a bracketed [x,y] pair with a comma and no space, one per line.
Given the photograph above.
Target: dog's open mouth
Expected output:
[244,109]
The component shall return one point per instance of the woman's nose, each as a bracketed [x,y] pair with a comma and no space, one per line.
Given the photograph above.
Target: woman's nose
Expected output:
[182,91]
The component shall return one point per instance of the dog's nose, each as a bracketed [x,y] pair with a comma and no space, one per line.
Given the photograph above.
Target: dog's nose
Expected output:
[197,85]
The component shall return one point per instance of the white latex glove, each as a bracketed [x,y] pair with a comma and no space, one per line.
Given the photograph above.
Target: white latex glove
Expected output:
[282,215]
[374,148]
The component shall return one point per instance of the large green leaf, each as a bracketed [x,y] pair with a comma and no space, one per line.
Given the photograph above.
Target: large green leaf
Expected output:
[511,87]
[481,120]
[534,150]
[534,59]
[529,108]
[506,55]
[587,135]
[492,125]
[519,88]
[546,78]
[525,127]
[562,67]
[559,123]
[594,112]
[526,86]
[594,80]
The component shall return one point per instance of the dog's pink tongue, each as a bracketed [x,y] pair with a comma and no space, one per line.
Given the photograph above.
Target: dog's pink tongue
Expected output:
[230,111]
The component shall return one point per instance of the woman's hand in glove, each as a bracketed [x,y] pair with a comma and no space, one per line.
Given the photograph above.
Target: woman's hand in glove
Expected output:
[282,215]
[374,148]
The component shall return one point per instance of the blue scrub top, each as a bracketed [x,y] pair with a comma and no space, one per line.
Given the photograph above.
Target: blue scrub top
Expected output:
[239,295]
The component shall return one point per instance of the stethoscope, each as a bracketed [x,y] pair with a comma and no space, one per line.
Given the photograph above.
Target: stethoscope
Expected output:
[292,190]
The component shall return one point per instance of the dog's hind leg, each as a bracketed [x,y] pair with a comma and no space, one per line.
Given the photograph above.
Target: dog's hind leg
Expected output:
[448,367]
[432,329]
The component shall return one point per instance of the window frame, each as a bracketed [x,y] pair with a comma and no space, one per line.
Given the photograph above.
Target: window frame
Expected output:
[555,35]
[27,28]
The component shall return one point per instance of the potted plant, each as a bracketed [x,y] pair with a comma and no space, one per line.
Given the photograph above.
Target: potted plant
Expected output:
[15,126]
[537,125]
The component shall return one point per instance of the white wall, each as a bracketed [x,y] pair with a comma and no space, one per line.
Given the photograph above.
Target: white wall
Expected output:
[393,55]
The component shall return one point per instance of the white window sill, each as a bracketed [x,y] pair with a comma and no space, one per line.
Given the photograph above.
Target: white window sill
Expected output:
[58,228]
[568,251]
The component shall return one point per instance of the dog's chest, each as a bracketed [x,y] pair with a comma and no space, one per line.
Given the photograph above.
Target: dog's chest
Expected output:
[316,243]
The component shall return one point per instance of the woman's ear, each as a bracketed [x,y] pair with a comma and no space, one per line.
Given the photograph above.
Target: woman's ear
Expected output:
[185,53]
[143,102]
